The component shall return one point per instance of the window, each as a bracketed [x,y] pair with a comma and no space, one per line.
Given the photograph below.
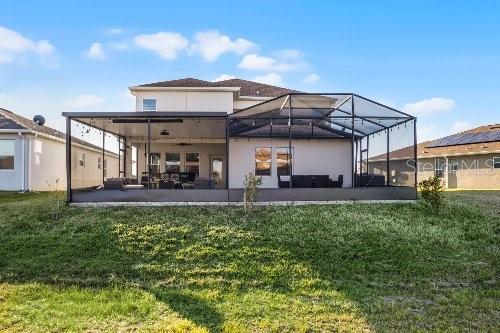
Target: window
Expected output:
[149,104]
[262,161]
[453,166]
[105,168]
[81,160]
[134,161]
[99,163]
[496,162]
[283,161]
[154,163]
[439,167]
[172,162]
[193,163]
[7,148]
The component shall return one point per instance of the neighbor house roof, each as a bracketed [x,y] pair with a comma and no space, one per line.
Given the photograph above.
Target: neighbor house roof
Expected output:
[11,121]
[14,121]
[246,88]
[435,148]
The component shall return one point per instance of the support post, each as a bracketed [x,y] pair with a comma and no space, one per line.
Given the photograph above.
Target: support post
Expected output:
[289,139]
[387,161]
[227,155]
[415,153]
[352,142]
[119,156]
[68,160]
[149,153]
[103,154]
[367,153]
[356,158]
[124,157]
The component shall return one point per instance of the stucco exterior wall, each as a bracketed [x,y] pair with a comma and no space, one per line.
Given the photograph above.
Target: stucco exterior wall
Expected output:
[90,175]
[314,157]
[198,101]
[47,165]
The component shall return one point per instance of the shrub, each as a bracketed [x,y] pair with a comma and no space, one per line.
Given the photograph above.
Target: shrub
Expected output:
[431,191]
[252,184]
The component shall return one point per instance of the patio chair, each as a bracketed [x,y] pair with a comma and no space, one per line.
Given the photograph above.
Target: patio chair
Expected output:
[338,183]
[320,181]
[113,184]
[203,183]
[300,181]
[166,185]
[283,181]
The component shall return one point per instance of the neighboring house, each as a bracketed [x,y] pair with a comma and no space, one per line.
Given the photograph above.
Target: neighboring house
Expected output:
[466,160]
[32,158]
[196,135]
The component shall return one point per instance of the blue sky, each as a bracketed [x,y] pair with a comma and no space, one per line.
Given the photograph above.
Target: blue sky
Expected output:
[437,59]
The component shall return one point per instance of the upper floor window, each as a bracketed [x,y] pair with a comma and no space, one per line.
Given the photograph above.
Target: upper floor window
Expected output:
[6,154]
[149,104]
[99,162]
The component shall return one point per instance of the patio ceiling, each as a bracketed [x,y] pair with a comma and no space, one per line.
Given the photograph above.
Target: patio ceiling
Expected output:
[161,128]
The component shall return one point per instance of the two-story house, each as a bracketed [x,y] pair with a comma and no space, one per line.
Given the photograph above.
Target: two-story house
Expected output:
[194,140]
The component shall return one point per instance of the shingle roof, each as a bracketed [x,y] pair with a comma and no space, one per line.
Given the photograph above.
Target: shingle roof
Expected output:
[247,88]
[426,148]
[25,123]
[9,124]
[12,121]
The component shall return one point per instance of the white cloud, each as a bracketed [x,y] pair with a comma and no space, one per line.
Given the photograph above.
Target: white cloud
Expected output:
[114,31]
[166,44]
[223,77]
[290,54]
[311,78]
[13,45]
[271,78]
[211,44]
[96,51]
[460,126]
[255,62]
[429,106]
[85,101]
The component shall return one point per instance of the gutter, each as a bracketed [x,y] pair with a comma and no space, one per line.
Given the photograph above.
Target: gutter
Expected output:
[229,89]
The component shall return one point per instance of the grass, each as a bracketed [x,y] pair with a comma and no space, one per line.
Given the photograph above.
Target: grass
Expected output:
[348,268]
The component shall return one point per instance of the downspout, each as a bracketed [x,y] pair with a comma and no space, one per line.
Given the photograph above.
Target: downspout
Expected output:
[28,181]
[447,171]
[22,161]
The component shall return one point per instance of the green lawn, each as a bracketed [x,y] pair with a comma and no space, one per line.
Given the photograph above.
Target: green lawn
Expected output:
[359,267]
